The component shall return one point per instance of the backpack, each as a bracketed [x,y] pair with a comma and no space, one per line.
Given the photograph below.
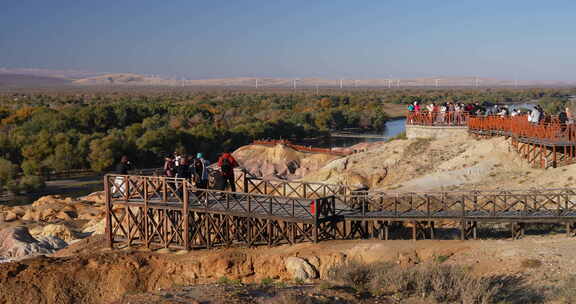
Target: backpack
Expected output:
[226,165]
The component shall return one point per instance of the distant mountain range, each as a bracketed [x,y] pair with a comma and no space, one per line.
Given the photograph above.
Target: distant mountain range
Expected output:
[42,77]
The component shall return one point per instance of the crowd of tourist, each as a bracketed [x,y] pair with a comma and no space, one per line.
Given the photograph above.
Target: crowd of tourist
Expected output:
[196,169]
[450,113]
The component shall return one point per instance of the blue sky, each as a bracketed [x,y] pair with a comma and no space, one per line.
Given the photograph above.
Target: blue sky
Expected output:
[356,39]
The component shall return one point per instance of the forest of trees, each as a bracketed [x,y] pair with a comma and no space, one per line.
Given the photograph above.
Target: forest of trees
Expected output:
[54,131]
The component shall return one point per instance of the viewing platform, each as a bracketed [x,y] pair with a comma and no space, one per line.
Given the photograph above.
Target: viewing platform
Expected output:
[547,144]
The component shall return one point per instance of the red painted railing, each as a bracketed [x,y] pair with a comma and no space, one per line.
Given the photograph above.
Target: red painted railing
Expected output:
[549,129]
[453,118]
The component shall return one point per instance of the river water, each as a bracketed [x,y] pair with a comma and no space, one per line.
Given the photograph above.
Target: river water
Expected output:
[391,129]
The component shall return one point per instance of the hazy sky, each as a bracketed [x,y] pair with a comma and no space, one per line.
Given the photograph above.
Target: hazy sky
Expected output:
[332,39]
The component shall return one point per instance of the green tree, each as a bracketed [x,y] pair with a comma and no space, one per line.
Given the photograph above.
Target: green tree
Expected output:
[8,172]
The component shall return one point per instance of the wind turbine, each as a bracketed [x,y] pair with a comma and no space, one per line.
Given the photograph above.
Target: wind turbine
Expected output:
[294,82]
[341,82]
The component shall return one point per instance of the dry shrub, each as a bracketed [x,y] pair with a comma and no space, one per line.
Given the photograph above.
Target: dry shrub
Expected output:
[352,273]
[531,263]
[294,299]
[442,283]
[567,291]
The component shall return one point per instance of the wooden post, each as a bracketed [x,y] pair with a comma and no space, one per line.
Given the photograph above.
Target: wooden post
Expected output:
[109,211]
[145,218]
[164,190]
[554,159]
[245,182]
[185,232]
[126,182]
[270,232]
[207,229]
[414,236]
[315,228]
[387,230]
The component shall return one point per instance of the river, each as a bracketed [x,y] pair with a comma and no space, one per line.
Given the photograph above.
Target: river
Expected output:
[346,139]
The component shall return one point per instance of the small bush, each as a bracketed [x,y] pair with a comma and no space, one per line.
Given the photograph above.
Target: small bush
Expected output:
[531,263]
[31,183]
[442,258]
[324,285]
[280,284]
[567,291]
[267,281]
[226,281]
[354,274]
[294,299]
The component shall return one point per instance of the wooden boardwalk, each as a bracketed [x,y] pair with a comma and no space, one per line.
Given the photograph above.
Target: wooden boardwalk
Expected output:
[168,212]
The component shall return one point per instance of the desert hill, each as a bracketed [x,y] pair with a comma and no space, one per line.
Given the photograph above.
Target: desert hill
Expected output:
[28,77]
[11,80]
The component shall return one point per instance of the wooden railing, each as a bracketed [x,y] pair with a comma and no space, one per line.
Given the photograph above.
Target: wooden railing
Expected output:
[171,212]
[520,204]
[550,130]
[453,118]
[177,191]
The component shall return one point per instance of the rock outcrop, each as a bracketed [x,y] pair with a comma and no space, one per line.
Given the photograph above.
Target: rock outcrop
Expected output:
[17,242]
[280,161]
[300,269]
[55,230]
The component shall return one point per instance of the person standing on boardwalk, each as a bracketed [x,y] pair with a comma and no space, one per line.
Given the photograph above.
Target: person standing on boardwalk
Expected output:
[200,168]
[227,163]
[183,169]
[169,166]
[124,166]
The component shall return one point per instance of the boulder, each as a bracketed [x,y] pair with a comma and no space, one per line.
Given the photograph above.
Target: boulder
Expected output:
[280,161]
[54,201]
[95,197]
[17,242]
[95,226]
[31,215]
[55,230]
[10,216]
[300,269]
[65,216]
